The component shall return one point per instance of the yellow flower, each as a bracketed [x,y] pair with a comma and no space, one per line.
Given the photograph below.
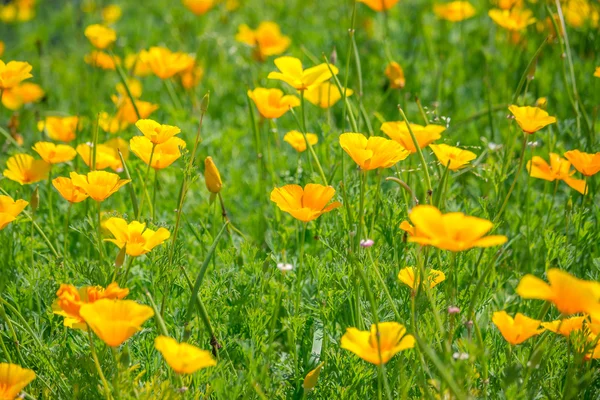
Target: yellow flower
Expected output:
[566,326]
[24,169]
[111,13]
[24,93]
[68,191]
[134,64]
[164,155]
[100,36]
[106,157]
[191,76]
[453,231]
[267,39]
[514,20]
[136,237]
[135,88]
[531,119]
[305,204]
[375,152]
[508,4]
[199,7]
[597,72]
[13,73]
[407,276]
[111,124]
[183,357]
[558,169]
[13,379]
[272,103]
[156,132]
[425,135]
[102,60]
[516,330]
[54,153]
[379,5]
[311,379]
[395,74]
[587,164]
[297,141]
[301,79]
[164,63]
[63,129]
[569,294]
[126,112]
[115,321]
[325,95]
[10,209]
[454,11]
[365,344]
[452,157]
[212,178]
[69,301]
[99,185]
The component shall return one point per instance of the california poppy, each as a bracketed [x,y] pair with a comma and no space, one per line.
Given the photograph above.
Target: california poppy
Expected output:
[379,5]
[516,330]
[135,236]
[425,135]
[587,164]
[374,152]
[212,177]
[407,276]
[102,60]
[10,209]
[378,349]
[100,36]
[62,129]
[266,40]
[272,103]
[454,11]
[531,119]
[68,191]
[25,169]
[99,185]
[292,73]
[54,153]
[325,95]
[155,132]
[514,20]
[199,7]
[452,157]
[184,358]
[163,155]
[395,74]
[297,141]
[13,73]
[24,93]
[164,63]
[305,204]
[13,380]
[558,169]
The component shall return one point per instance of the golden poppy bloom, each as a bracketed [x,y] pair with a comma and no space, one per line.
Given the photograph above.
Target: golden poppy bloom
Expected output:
[305,204]
[164,154]
[134,64]
[566,326]
[453,231]
[587,164]
[183,358]
[597,72]
[24,169]
[392,339]
[164,63]
[379,5]
[68,191]
[99,185]
[13,379]
[311,379]
[135,236]
[106,157]
[407,276]
[508,4]
[395,74]
[516,330]
[514,20]
[126,112]
[191,76]
[10,209]
[375,152]
[292,73]
[111,124]
[408,228]
[156,132]
[272,103]
[325,95]
[454,11]
[102,60]
[54,153]
[199,7]
[267,39]
[111,13]
[24,93]
[212,177]
[100,36]
[558,169]
[13,73]
[425,135]
[452,157]
[115,321]
[569,294]
[531,119]
[135,88]
[62,129]
[69,301]
[296,140]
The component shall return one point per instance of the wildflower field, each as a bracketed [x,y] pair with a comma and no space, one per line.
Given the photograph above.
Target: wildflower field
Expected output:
[260,199]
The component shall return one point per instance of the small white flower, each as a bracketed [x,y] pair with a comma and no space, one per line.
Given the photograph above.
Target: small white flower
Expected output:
[283,267]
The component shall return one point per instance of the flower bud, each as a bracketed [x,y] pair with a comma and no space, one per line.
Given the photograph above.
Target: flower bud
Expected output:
[34,202]
[212,176]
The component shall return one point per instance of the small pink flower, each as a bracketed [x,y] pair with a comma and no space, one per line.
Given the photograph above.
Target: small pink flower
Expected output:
[366,243]
[453,310]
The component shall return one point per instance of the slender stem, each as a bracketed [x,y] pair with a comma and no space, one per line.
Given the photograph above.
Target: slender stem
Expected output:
[419,152]
[99,232]
[66,232]
[361,209]
[300,279]
[145,180]
[512,186]
[310,147]
[98,367]
[124,82]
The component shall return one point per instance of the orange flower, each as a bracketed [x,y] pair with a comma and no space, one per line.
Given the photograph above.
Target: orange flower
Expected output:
[559,169]
[375,152]
[135,88]
[63,129]
[115,321]
[156,132]
[376,349]
[191,76]
[70,300]
[597,72]
[106,157]
[25,169]
[300,79]
[102,60]
[24,93]
[212,177]
[267,39]
[325,95]
[587,164]
[111,124]
[68,191]
[13,380]
[100,36]
[425,135]
[453,231]
[305,204]
[514,20]
[395,74]
[297,141]
[454,11]
[199,7]
[10,209]
[566,326]
[531,119]
[163,155]
[182,357]
[126,112]
[272,103]
[164,63]
[54,153]
[452,157]
[379,5]
[568,293]
[13,73]
[516,330]
[99,185]
[407,276]
[136,238]
[137,67]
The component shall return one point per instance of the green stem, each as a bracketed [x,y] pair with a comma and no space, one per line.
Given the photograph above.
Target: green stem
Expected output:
[419,152]
[310,147]
[98,367]
[145,180]
[512,186]
[99,232]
